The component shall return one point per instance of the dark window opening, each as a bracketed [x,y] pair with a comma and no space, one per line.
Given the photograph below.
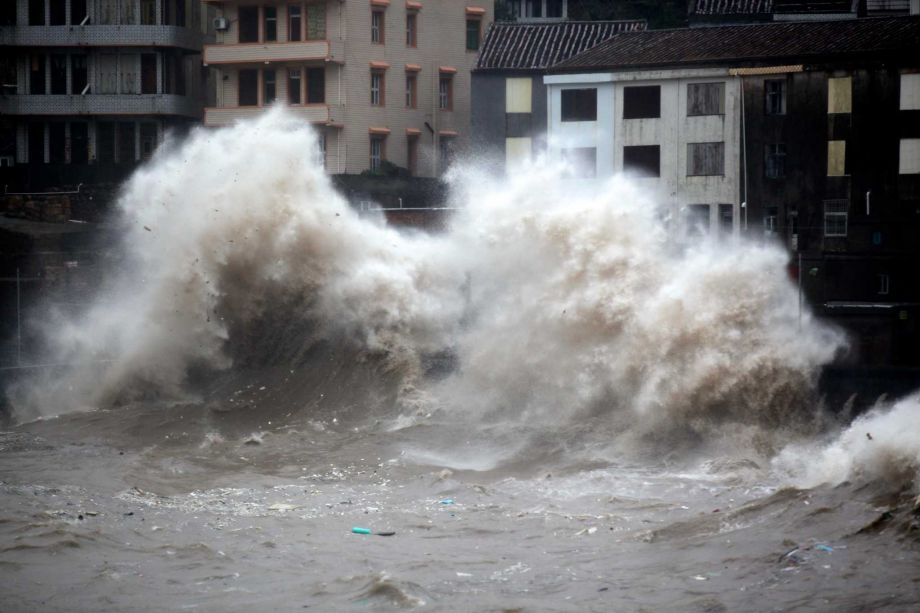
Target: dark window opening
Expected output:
[771,221]
[126,142]
[642,160]
[37,74]
[377,27]
[78,74]
[180,13]
[79,143]
[294,86]
[249,24]
[148,140]
[57,142]
[148,12]
[249,87]
[775,161]
[642,102]
[36,143]
[472,34]
[554,8]
[78,12]
[269,90]
[58,74]
[57,15]
[271,23]
[295,22]
[705,159]
[7,13]
[447,152]
[705,99]
[726,218]
[836,213]
[316,85]
[148,73]
[698,219]
[179,75]
[105,142]
[582,161]
[775,97]
[411,29]
[579,104]
[36,12]
[412,155]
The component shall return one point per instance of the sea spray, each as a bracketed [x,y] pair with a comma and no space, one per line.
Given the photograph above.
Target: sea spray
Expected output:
[563,303]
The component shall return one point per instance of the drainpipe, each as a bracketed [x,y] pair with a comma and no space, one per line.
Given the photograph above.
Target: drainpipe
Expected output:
[744,202]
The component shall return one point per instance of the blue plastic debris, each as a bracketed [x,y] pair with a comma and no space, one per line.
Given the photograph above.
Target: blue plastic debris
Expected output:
[447,501]
[823,547]
[357,530]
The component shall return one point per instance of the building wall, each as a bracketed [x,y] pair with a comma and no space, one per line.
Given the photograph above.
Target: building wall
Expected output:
[441,43]
[672,131]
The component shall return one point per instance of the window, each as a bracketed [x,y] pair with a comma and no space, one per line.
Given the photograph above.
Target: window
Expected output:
[554,8]
[148,73]
[697,218]
[836,158]
[411,29]
[726,218]
[378,153]
[271,23]
[377,88]
[412,155]
[884,284]
[835,217]
[7,13]
[517,150]
[294,85]
[57,137]
[909,156]
[910,92]
[518,95]
[79,142]
[775,161]
[321,149]
[642,102]
[249,24]
[78,74]
[105,142]
[582,161]
[316,21]
[249,87]
[127,141]
[578,104]
[705,99]
[269,90]
[57,16]
[295,22]
[642,160]
[705,159]
[377,27]
[774,92]
[840,95]
[446,92]
[446,151]
[36,142]
[37,74]
[316,85]
[148,12]
[411,90]
[58,74]
[77,12]
[473,27]
[36,12]
[770,223]
[148,140]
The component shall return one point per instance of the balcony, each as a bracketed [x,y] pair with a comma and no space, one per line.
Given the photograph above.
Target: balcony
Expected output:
[101,36]
[101,104]
[244,53]
[313,113]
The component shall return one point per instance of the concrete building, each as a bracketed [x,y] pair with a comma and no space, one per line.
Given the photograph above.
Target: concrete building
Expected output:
[723,12]
[91,86]
[509,97]
[820,138]
[387,82]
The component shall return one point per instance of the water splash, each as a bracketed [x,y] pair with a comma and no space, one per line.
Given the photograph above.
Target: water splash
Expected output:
[563,304]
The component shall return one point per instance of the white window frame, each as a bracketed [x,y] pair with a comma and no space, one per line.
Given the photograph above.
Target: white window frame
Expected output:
[836,211]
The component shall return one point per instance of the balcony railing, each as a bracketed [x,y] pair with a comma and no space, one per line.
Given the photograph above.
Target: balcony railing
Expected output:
[243,53]
[213,116]
[101,104]
[101,36]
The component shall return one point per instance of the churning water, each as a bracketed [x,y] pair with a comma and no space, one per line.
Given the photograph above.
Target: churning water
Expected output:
[552,404]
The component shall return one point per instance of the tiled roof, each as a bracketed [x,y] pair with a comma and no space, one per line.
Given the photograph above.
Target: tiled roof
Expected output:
[530,46]
[731,7]
[783,41]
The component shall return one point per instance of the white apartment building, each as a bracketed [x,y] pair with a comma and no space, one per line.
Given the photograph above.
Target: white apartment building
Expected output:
[675,131]
[384,81]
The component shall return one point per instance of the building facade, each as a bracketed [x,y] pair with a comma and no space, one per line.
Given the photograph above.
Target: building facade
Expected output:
[821,146]
[387,83]
[91,86]
[509,96]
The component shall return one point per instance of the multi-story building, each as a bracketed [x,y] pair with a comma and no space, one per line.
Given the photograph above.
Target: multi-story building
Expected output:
[386,82]
[91,86]
[723,12]
[806,133]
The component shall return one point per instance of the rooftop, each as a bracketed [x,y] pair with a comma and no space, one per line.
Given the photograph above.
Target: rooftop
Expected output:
[533,46]
[768,7]
[786,41]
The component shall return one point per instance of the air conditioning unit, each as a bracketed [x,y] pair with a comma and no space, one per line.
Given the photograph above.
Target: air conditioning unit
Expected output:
[221,24]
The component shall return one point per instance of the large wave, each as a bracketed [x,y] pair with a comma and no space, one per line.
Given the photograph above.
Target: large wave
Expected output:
[561,303]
